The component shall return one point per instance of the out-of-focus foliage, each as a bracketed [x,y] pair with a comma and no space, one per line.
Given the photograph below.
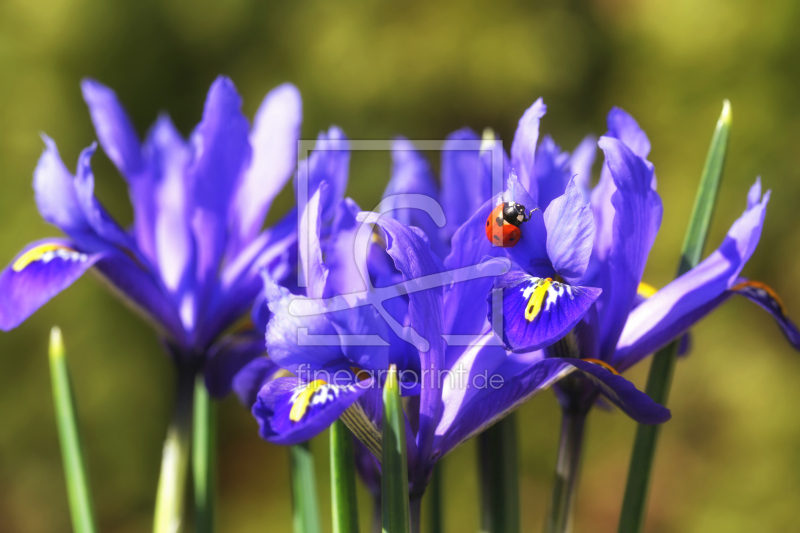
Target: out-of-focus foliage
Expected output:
[728,460]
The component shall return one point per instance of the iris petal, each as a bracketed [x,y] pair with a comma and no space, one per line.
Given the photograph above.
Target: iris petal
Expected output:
[622,393]
[540,311]
[684,301]
[523,148]
[273,138]
[570,233]
[289,411]
[42,270]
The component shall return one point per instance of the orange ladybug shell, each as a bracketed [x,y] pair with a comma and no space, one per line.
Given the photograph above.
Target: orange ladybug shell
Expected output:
[499,232]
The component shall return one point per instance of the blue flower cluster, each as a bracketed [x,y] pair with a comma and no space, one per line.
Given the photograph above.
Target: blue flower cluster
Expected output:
[477,309]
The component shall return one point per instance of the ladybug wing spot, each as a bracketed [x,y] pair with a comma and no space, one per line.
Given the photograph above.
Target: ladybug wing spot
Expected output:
[499,220]
[496,238]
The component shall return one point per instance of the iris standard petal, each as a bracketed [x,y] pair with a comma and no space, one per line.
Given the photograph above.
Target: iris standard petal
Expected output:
[466,182]
[345,274]
[273,138]
[684,301]
[622,393]
[174,246]
[621,126]
[570,233]
[581,162]
[289,411]
[314,270]
[120,142]
[329,161]
[411,174]
[228,357]
[539,311]
[114,130]
[523,147]
[637,217]
[100,221]
[42,270]
[222,152]
[530,253]
[550,173]
[55,193]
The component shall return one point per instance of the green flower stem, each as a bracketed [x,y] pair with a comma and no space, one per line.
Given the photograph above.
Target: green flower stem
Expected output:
[436,515]
[570,449]
[204,457]
[305,509]
[343,480]
[175,459]
[499,477]
[634,505]
[395,509]
[80,501]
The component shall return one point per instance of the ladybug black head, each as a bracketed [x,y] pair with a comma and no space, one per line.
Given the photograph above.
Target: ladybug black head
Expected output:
[514,213]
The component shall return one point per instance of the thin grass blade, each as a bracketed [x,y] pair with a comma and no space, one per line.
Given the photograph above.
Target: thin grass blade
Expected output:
[634,506]
[204,457]
[343,480]
[499,477]
[80,501]
[395,514]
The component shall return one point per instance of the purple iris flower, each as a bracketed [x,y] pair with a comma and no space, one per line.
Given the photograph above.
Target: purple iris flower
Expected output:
[191,262]
[444,346]
[601,238]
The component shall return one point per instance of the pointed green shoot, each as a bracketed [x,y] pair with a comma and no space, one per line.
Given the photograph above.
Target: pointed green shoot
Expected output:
[305,510]
[80,501]
[634,505]
[343,480]
[170,498]
[394,464]
[499,477]
[204,457]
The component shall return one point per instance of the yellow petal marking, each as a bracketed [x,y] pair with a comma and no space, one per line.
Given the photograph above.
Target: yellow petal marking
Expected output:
[35,254]
[302,401]
[646,290]
[537,298]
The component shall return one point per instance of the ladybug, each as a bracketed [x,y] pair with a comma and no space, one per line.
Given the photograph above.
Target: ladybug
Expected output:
[503,224]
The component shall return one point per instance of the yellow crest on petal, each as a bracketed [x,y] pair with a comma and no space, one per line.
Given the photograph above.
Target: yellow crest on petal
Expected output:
[536,299]
[46,252]
[302,400]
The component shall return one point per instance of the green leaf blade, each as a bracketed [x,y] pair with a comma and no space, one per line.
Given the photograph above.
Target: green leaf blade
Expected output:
[634,506]
[499,477]
[305,509]
[343,480]
[80,501]
[204,458]
[394,464]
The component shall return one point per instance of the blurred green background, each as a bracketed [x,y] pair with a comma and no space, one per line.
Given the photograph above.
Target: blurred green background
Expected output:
[729,460]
